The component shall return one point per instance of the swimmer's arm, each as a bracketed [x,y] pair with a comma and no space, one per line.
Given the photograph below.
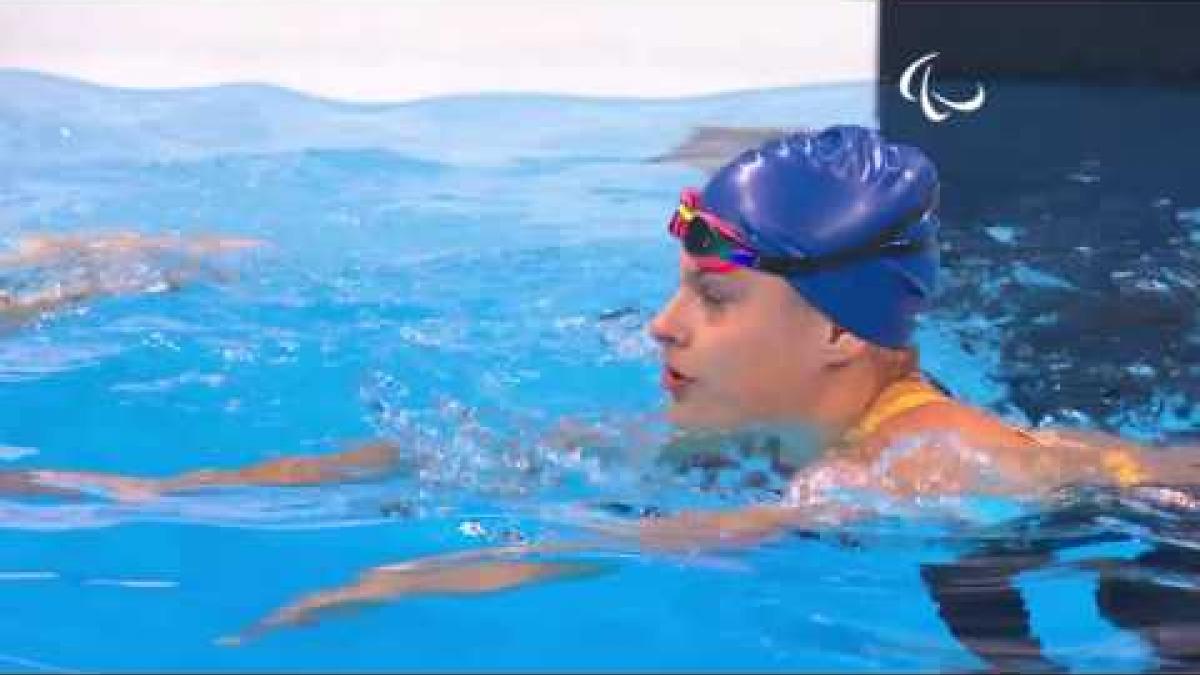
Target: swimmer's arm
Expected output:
[35,249]
[28,483]
[701,531]
[1178,465]
[369,461]
[1096,457]
[366,462]
[45,250]
[968,451]
[1008,461]
[23,306]
[475,572]
[41,249]
[502,568]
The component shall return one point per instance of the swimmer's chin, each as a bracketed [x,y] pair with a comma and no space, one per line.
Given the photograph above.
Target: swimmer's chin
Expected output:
[687,416]
[678,415]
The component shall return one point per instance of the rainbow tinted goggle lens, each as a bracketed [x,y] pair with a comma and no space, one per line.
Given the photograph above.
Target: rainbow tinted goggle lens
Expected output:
[707,237]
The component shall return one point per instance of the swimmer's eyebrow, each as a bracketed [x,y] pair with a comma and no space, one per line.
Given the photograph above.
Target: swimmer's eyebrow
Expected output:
[697,277]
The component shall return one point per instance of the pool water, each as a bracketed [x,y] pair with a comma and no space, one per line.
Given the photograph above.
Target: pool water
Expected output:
[459,274]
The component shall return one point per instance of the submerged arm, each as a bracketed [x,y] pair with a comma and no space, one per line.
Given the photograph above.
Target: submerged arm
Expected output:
[475,572]
[926,469]
[501,568]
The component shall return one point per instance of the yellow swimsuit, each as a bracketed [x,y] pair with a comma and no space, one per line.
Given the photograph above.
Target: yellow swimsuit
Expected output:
[898,397]
[914,391]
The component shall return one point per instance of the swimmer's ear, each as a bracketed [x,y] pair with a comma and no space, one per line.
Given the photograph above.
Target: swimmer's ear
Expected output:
[842,346]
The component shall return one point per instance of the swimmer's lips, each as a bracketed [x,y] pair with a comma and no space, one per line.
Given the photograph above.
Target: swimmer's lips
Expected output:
[674,381]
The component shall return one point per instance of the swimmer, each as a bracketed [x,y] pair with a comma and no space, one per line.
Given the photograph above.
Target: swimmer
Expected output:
[804,265]
[87,257]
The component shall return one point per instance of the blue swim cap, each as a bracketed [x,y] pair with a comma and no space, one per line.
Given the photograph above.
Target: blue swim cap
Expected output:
[818,193]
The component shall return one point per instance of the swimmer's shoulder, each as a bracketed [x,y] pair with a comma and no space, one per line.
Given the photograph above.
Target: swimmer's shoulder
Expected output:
[972,426]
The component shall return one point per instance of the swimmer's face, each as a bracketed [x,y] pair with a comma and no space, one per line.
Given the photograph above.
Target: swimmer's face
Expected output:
[739,348]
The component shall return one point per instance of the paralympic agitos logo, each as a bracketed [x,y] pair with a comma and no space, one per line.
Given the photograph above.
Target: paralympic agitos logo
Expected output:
[927,96]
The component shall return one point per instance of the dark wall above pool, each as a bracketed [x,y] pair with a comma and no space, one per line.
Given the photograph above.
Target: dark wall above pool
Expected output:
[1090,40]
[1079,164]
[1068,85]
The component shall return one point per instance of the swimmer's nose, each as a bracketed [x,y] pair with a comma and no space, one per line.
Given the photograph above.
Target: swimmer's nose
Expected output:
[666,328]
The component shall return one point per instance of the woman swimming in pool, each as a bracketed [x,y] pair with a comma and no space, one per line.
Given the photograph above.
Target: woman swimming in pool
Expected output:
[804,265]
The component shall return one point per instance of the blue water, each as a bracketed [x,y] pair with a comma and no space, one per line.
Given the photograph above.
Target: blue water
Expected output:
[456,274]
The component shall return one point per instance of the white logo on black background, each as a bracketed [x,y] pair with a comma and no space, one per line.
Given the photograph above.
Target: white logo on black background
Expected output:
[931,113]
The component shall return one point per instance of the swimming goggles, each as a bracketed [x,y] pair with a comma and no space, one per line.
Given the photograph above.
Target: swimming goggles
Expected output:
[716,242]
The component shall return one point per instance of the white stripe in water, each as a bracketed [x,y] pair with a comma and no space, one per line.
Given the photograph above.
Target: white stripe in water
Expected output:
[28,576]
[133,583]
[11,452]
[22,662]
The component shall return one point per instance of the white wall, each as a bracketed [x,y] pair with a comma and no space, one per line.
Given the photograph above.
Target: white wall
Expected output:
[379,50]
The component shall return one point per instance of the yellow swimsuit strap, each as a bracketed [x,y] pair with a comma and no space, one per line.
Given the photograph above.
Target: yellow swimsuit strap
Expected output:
[898,397]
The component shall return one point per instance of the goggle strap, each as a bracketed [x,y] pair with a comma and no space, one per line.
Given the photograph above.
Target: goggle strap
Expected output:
[885,243]
[788,265]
